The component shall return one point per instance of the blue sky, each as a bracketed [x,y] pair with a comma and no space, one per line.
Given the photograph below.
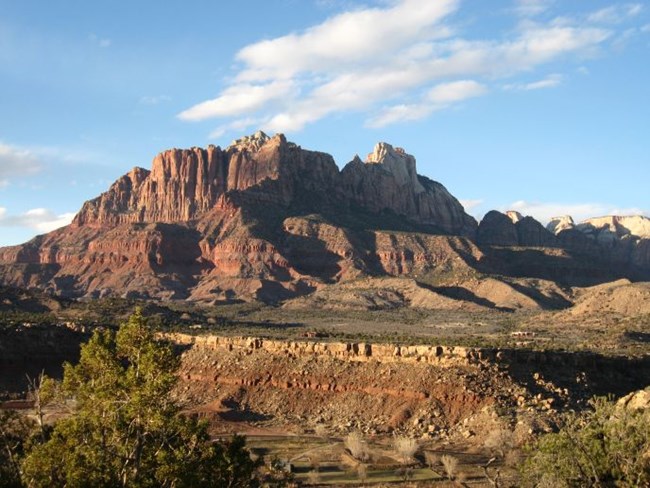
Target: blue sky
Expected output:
[537,105]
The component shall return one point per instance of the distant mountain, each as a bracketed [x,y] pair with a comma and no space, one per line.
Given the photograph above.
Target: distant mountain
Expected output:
[265,219]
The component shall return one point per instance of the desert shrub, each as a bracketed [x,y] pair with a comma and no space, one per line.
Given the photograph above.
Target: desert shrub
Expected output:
[405,447]
[431,459]
[500,441]
[450,463]
[357,446]
[608,446]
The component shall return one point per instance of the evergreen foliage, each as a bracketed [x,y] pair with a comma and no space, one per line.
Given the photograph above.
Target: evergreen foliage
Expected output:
[126,429]
[608,447]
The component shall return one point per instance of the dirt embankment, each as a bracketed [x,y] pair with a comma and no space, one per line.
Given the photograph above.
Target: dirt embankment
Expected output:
[379,388]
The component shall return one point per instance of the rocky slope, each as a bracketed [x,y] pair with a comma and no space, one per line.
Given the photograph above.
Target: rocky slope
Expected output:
[260,219]
[266,219]
[619,239]
[381,388]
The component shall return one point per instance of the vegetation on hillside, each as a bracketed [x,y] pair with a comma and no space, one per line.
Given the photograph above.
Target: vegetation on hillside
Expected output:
[609,446]
[125,429]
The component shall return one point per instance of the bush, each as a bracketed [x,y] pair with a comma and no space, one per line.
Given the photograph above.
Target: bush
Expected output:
[14,433]
[405,447]
[609,446]
[127,430]
[450,463]
[358,448]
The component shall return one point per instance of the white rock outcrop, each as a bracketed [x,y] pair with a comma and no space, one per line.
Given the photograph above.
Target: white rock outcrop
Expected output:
[558,224]
[398,163]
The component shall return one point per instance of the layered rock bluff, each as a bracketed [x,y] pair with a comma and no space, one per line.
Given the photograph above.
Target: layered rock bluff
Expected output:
[621,239]
[185,184]
[226,224]
[388,180]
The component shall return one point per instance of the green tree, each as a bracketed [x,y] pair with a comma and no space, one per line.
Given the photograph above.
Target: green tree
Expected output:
[14,433]
[609,446]
[126,429]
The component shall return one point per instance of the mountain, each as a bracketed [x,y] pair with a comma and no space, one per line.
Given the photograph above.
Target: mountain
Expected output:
[262,219]
[265,219]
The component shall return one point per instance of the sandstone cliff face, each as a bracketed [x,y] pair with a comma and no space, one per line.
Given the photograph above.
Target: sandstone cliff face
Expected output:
[531,233]
[266,219]
[624,240]
[512,229]
[208,224]
[184,184]
[388,181]
[497,229]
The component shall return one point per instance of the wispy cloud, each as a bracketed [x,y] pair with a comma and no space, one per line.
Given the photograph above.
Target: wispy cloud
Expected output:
[438,98]
[238,100]
[39,219]
[530,8]
[615,14]
[470,204]
[384,61]
[545,211]
[550,81]
[16,162]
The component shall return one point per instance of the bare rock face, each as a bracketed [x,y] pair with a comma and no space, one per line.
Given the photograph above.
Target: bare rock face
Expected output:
[513,229]
[185,184]
[634,226]
[207,224]
[514,216]
[558,224]
[531,233]
[497,229]
[619,239]
[388,181]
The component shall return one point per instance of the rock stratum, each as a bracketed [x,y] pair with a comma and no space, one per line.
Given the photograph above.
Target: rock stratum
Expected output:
[268,220]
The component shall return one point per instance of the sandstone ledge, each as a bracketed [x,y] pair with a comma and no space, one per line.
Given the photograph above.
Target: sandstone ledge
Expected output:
[390,353]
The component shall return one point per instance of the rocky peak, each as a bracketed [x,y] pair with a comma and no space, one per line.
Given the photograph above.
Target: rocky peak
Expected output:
[514,216]
[511,229]
[620,226]
[398,163]
[558,224]
[497,229]
[253,142]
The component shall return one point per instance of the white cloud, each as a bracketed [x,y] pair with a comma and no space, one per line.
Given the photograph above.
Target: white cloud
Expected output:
[530,8]
[615,14]
[381,60]
[236,125]
[455,91]
[17,161]
[645,28]
[237,100]
[470,204]
[348,39]
[437,98]
[545,211]
[39,219]
[400,113]
[551,81]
